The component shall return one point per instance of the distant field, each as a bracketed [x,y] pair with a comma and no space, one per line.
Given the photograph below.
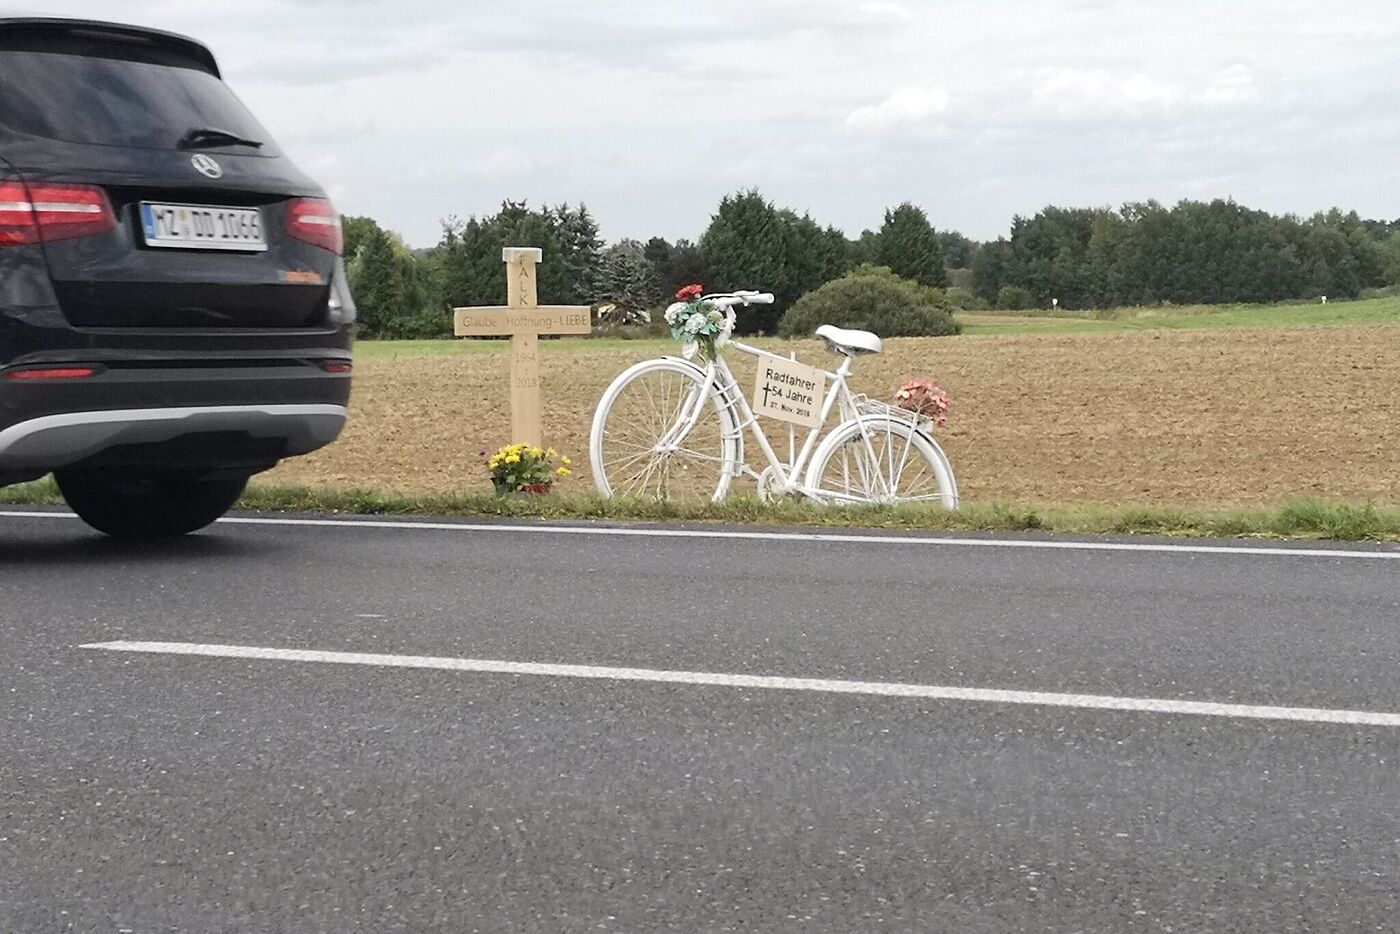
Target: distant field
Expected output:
[1184,317]
[1219,408]
[1181,317]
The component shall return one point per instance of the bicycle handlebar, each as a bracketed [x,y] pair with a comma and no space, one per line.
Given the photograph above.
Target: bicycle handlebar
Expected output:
[758,298]
[747,297]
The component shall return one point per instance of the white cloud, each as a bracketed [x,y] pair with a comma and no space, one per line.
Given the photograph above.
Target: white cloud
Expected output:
[906,106]
[1098,91]
[883,11]
[1234,85]
[1100,97]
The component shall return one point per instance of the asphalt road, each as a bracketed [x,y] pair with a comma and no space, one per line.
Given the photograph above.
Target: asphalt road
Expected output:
[146,792]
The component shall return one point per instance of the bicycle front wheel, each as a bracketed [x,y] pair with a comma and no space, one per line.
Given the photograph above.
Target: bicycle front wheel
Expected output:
[884,461]
[649,441]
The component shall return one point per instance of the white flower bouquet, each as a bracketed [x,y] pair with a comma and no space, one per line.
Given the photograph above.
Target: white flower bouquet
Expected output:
[701,326]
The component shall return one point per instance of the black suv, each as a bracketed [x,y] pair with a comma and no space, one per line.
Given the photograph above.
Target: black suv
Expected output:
[174,315]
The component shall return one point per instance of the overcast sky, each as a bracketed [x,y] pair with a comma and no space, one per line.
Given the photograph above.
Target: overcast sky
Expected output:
[649,110]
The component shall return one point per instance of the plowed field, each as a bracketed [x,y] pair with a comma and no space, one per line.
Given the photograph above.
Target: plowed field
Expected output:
[1199,418]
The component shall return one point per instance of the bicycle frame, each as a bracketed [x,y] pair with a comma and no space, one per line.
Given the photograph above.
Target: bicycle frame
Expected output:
[720,380]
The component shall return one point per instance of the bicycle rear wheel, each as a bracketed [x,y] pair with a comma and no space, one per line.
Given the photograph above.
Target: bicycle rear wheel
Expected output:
[900,464]
[640,446]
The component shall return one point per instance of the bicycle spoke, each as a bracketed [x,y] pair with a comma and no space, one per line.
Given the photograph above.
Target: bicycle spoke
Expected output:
[696,455]
[668,413]
[627,444]
[654,410]
[896,474]
[622,463]
[889,461]
[640,476]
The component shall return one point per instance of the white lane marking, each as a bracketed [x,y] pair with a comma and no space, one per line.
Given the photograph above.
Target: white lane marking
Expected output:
[713,679]
[858,539]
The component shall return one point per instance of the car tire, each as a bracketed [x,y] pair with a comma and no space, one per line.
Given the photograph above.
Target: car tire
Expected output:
[149,503]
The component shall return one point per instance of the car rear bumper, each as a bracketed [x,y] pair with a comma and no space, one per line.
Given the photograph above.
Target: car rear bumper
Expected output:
[191,412]
[53,441]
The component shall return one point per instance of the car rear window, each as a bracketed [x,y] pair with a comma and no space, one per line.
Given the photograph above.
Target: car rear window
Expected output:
[116,101]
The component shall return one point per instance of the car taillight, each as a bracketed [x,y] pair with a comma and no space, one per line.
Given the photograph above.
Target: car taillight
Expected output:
[45,212]
[314,221]
[64,372]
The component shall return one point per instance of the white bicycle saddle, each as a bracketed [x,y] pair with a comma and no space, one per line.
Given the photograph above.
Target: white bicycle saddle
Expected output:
[842,341]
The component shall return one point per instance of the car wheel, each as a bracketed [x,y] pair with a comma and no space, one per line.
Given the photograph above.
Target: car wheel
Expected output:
[149,504]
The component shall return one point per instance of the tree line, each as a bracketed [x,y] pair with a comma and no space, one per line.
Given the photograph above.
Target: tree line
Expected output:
[1192,253]
[1204,253]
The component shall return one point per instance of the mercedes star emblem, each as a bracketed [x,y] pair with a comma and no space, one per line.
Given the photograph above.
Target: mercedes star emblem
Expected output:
[206,165]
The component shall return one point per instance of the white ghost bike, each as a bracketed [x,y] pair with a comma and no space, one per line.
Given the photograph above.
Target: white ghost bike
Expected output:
[671,429]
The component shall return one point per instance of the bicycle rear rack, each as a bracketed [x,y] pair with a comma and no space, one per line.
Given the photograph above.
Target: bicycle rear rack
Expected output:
[873,408]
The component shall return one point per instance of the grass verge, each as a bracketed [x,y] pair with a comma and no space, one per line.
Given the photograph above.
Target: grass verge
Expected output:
[1296,519]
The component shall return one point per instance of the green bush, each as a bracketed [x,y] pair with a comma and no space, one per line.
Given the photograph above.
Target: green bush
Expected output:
[961,279]
[427,324]
[872,298]
[966,299]
[1014,298]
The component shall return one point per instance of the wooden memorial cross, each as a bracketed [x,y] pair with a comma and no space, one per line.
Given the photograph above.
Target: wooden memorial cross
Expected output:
[524,319]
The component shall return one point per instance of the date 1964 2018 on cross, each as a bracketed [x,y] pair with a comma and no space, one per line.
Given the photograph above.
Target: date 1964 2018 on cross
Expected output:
[524,319]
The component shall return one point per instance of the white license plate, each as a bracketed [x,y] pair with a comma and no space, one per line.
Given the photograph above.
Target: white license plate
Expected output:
[200,227]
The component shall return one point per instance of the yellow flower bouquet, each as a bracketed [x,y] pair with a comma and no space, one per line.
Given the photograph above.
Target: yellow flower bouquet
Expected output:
[524,468]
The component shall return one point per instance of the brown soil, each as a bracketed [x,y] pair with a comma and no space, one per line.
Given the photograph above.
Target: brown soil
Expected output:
[1199,418]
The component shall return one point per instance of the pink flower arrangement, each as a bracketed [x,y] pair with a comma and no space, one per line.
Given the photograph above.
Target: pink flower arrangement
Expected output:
[924,398]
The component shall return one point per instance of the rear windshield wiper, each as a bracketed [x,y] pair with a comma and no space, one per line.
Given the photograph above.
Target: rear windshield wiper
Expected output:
[201,137]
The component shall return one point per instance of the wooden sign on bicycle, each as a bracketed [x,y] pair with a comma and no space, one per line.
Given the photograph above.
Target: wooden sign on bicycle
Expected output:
[789,391]
[524,319]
